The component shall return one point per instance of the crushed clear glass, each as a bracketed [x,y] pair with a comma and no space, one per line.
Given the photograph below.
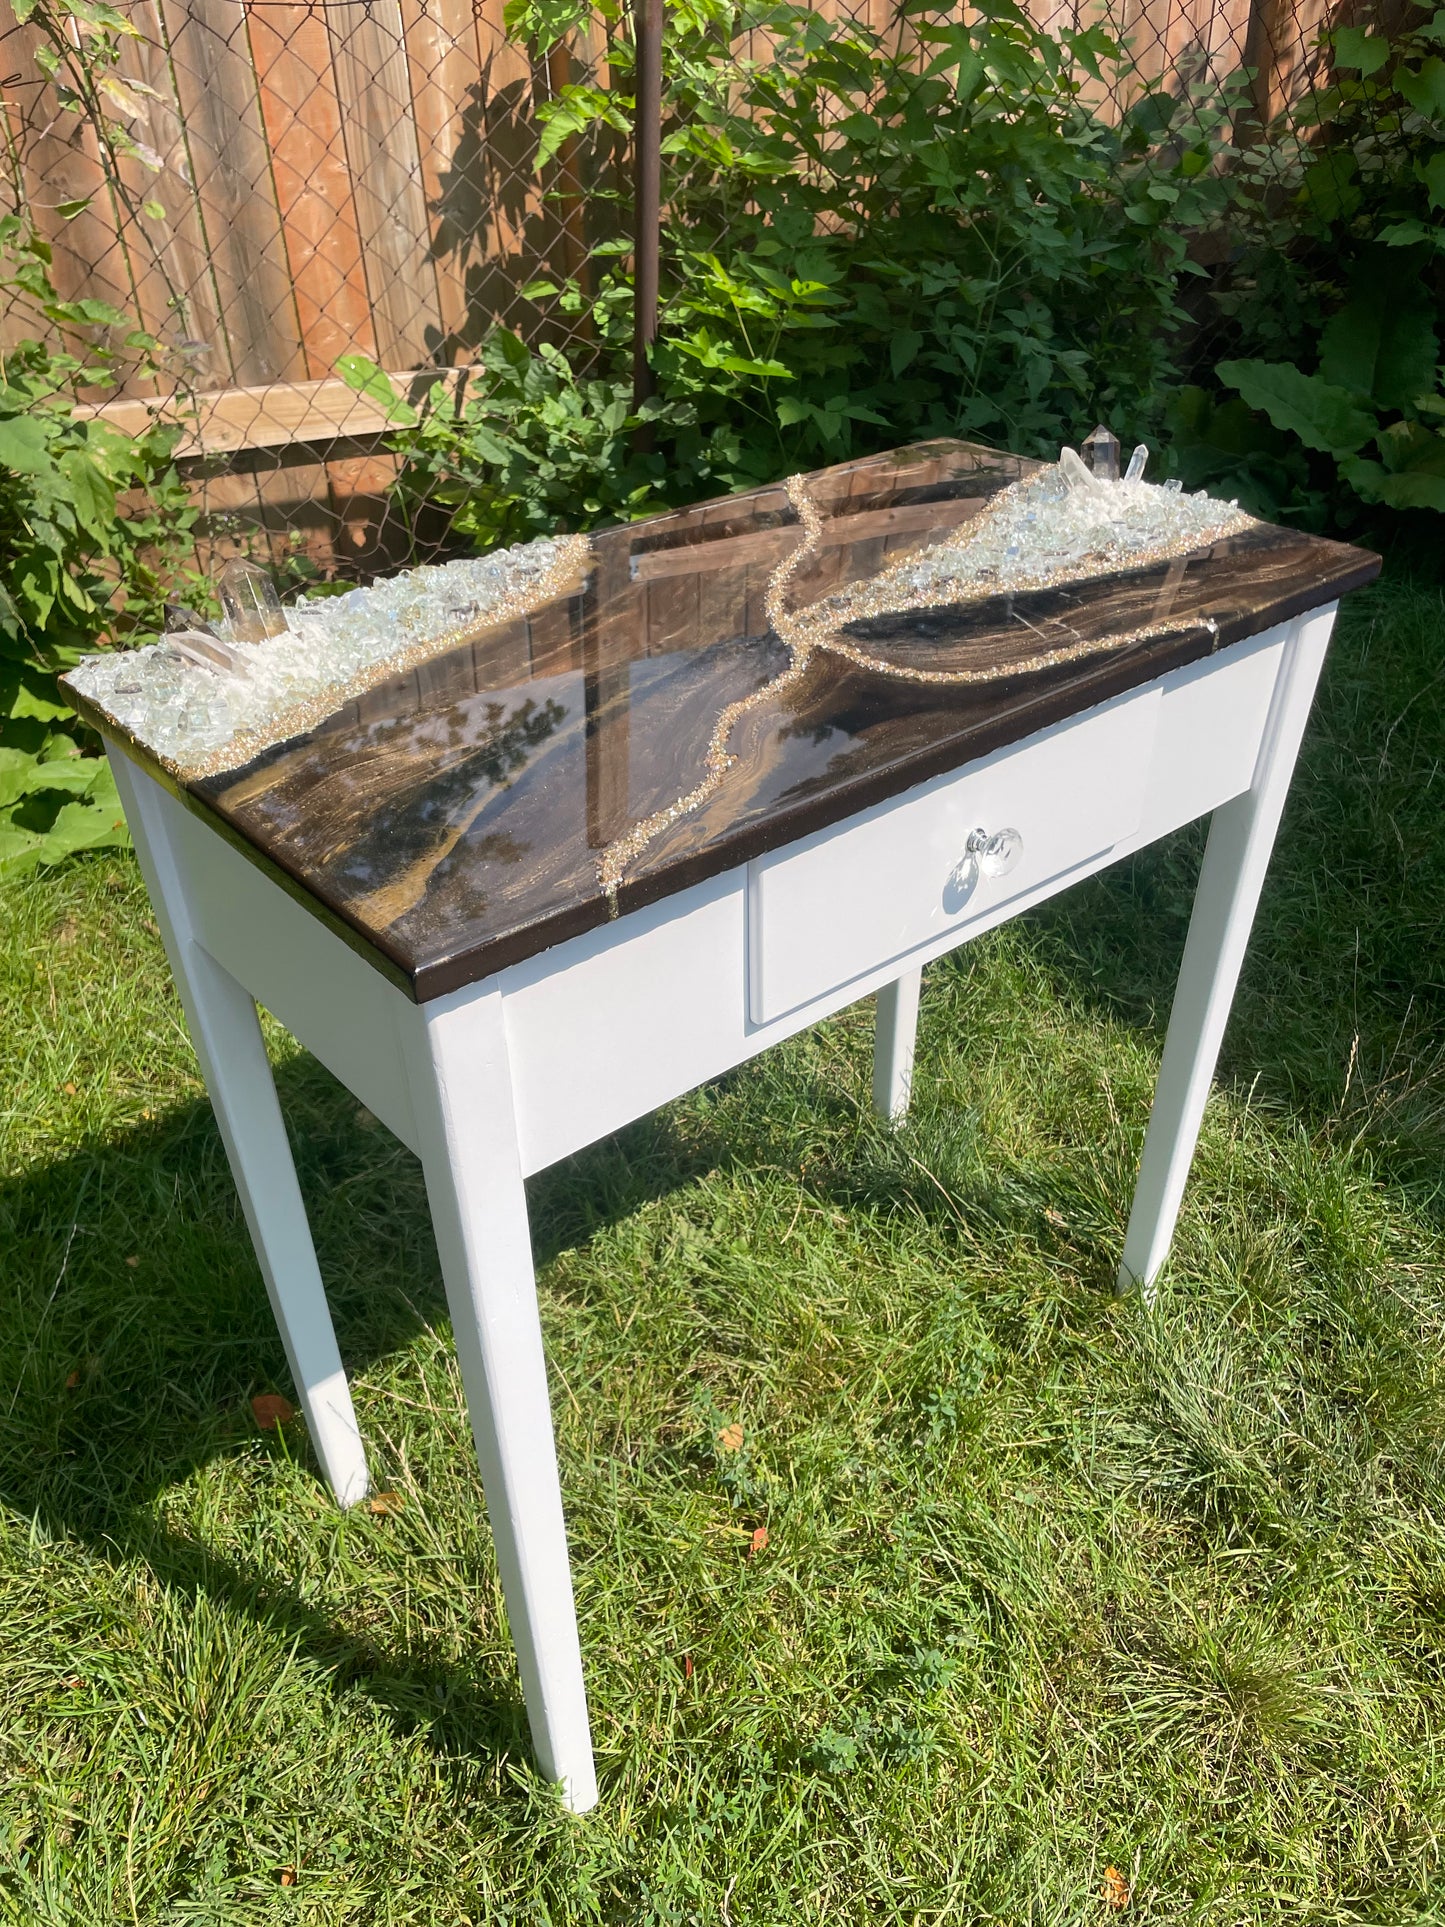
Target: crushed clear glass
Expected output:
[188,709]
[1061,519]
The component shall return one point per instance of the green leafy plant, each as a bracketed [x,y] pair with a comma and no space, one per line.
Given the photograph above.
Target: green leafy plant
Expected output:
[868,237]
[925,231]
[524,444]
[78,570]
[1343,275]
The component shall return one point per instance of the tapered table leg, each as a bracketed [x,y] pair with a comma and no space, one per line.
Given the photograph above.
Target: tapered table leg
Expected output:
[228,1043]
[1241,839]
[462,1102]
[893,1045]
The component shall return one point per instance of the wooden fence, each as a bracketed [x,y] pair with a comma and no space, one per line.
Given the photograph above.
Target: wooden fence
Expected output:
[333,176]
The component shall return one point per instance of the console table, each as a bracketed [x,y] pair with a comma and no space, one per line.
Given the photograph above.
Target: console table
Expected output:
[534,887]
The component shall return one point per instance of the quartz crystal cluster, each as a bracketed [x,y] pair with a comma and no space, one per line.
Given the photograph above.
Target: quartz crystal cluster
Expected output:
[206,699]
[1065,522]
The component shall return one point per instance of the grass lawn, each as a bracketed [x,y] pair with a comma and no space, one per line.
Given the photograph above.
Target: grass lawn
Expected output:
[1051,1584]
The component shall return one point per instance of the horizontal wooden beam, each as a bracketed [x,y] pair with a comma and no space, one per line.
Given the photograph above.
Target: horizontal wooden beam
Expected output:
[278,414]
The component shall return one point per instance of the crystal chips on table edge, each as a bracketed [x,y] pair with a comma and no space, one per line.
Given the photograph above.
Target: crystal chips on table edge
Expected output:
[197,691]
[196,694]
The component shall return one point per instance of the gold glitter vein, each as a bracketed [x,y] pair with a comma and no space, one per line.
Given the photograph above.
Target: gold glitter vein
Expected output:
[815,631]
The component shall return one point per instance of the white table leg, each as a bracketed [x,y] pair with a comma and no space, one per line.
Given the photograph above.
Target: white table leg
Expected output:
[227,1038]
[462,1101]
[893,1045]
[1241,839]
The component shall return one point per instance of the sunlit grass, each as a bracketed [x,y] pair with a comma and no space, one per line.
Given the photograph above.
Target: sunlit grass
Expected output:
[1050,1584]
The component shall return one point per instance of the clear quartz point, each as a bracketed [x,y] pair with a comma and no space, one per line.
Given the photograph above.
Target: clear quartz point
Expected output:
[1174,485]
[248,596]
[1073,470]
[225,656]
[1137,461]
[1101,452]
[183,621]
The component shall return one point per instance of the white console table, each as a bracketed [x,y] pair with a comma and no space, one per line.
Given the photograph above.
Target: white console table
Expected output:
[548,1041]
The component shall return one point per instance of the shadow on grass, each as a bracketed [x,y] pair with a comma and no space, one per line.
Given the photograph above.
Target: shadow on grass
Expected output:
[140,1331]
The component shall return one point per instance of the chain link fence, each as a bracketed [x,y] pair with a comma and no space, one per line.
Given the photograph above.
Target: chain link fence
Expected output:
[308,179]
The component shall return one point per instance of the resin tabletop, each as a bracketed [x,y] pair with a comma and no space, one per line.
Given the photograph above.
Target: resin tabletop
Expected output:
[649,728]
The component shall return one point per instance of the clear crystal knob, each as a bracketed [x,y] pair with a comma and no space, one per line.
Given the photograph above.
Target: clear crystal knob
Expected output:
[996,852]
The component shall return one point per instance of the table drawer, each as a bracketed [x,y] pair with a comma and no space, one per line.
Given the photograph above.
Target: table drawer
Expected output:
[868,891]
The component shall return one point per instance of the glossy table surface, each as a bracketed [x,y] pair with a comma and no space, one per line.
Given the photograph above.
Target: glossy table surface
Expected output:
[452,820]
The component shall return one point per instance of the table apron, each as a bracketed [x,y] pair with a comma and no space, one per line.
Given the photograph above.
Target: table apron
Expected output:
[605,1028]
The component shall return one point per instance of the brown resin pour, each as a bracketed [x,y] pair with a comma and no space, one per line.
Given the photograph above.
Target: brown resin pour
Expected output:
[809,632]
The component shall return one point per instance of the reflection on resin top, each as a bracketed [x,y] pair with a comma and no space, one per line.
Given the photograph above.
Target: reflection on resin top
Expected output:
[727,678]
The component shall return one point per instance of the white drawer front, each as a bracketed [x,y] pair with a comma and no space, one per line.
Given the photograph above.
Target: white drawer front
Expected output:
[864,892]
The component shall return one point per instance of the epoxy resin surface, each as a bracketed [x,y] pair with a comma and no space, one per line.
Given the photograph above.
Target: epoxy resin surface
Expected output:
[653,726]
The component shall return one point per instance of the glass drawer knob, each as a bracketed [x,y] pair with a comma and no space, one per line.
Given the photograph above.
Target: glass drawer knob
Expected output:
[996,852]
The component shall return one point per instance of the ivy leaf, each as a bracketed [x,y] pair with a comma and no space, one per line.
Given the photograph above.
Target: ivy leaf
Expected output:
[362,374]
[903,349]
[121,96]
[1380,347]
[72,773]
[489,446]
[1433,175]
[1412,489]
[1414,447]
[23,445]
[1356,48]
[1321,415]
[1424,88]
[78,825]
[763,370]
[91,494]
[1404,234]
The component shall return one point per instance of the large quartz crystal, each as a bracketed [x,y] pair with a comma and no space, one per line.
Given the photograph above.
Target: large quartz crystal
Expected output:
[252,606]
[193,639]
[1101,452]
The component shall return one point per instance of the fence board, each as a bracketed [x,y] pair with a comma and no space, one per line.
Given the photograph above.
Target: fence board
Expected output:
[377,117]
[231,167]
[301,114]
[169,259]
[444,62]
[510,241]
[55,157]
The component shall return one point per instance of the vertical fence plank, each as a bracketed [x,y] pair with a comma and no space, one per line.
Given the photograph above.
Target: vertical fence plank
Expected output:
[374,88]
[58,163]
[216,85]
[511,247]
[444,65]
[170,258]
[302,118]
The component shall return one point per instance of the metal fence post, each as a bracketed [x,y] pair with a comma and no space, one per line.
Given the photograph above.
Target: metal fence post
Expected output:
[647,189]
